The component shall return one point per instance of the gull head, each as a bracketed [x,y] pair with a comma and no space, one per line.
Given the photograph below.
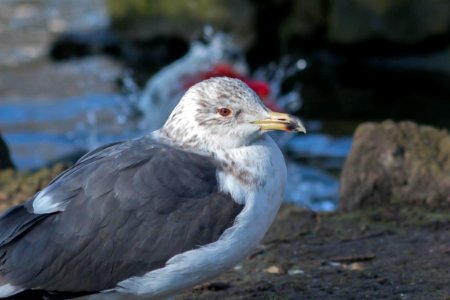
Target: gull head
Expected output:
[223,113]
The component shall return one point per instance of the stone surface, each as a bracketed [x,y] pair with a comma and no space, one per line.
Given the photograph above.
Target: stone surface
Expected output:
[397,163]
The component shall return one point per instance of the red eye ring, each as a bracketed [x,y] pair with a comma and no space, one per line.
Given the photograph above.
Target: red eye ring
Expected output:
[224,112]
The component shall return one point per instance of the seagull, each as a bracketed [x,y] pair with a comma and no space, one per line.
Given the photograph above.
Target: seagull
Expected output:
[155,215]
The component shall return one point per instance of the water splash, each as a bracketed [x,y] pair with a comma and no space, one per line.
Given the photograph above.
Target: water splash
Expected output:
[275,74]
[163,91]
[58,128]
[218,56]
[311,187]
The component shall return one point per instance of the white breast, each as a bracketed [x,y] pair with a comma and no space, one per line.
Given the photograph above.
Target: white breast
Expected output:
[261,205]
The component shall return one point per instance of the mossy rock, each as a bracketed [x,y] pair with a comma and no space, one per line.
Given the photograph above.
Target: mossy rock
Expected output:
[397,163]
[17,187]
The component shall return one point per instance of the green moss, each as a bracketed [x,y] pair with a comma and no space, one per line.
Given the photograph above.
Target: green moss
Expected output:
[200,10]
[416,215]
[392,218]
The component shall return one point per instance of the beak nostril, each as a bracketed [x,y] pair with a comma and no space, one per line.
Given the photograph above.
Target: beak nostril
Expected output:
[290,127]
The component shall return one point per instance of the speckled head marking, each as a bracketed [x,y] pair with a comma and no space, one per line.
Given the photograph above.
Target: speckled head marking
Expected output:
[216,114]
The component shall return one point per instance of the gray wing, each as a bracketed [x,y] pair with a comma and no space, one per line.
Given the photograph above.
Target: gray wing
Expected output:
[130,208]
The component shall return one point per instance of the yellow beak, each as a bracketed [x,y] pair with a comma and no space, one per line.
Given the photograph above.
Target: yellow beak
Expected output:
[280,121]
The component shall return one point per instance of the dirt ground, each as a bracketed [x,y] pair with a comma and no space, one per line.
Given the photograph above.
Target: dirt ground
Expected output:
[392,252]
[384,253]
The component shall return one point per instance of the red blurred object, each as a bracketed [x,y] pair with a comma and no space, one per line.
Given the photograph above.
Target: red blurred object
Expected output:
[260,87]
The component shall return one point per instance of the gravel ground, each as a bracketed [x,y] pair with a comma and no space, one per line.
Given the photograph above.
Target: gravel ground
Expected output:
[383,253]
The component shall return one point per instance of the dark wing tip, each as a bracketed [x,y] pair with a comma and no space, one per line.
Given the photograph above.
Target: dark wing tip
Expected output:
[16,221]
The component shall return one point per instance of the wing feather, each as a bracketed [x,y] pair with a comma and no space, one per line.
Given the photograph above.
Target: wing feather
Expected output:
[128,208]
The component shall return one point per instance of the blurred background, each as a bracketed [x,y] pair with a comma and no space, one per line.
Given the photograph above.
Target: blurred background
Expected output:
[75,74]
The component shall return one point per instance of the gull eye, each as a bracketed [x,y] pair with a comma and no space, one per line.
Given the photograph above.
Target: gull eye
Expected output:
[224,112]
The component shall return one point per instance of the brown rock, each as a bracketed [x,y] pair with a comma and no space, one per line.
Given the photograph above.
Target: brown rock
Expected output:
[397,163]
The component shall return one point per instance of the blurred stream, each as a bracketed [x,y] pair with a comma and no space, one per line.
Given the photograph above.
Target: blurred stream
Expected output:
[52,112]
